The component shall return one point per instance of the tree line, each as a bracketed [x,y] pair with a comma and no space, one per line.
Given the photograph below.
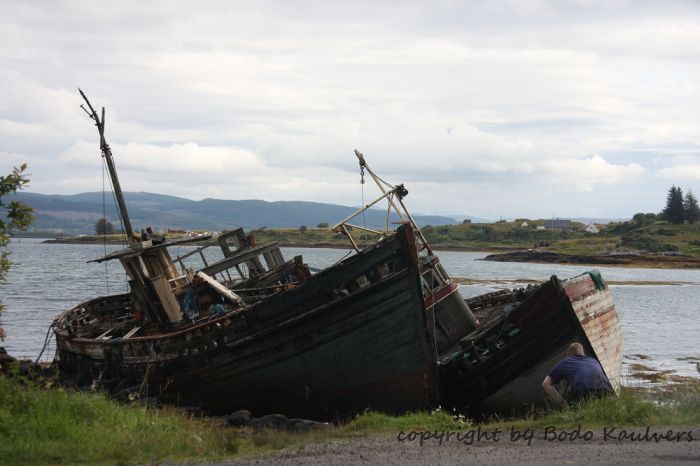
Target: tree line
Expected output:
[681,208]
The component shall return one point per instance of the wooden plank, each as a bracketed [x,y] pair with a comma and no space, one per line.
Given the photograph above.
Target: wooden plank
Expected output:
[131,333]
[232,261]
[167,298]
[221,289]
[104,335]
[600,323]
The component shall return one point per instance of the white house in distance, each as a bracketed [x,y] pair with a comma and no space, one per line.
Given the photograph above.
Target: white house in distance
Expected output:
[591,228]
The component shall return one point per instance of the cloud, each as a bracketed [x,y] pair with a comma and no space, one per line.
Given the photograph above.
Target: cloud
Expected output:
[188,158]
[498,105]
[584,174]
[683,168]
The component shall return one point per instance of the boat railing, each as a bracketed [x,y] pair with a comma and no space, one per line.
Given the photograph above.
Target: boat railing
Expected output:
[179,259]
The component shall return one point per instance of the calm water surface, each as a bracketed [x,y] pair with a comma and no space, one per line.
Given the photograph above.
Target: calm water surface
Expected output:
[660,321]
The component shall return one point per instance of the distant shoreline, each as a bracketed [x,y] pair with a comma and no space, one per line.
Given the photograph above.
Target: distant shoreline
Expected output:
[291,245]
[502,254]
[612,260]
[77,241]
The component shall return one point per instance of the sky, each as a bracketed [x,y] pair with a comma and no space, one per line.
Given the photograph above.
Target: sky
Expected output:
[494,109]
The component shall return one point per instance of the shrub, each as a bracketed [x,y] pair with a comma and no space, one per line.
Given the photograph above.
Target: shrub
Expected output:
[643,242]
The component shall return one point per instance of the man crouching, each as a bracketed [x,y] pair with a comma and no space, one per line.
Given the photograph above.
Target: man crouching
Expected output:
[583,374]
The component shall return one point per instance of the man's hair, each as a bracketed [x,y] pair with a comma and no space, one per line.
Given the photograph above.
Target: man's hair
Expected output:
[575,349]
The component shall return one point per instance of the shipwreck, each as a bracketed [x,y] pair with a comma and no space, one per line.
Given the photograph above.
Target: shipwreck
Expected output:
[385,328]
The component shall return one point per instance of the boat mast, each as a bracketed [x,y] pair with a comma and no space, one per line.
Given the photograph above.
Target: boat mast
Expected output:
[107,154]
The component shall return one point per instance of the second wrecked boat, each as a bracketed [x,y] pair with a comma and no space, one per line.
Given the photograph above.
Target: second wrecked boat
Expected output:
[524,334]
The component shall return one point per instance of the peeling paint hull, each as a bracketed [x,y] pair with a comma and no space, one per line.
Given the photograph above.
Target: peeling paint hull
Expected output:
[501,366]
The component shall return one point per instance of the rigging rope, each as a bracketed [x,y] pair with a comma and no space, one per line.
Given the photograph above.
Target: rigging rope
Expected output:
[432,308]
[104,224]
[377,177]
[47,340]
[121,223]
[114,198]
[362,184]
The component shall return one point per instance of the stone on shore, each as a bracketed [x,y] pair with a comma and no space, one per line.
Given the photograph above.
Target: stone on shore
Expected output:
[280,422]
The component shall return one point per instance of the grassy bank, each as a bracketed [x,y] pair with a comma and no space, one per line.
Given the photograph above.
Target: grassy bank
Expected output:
[56,426]
[678,406]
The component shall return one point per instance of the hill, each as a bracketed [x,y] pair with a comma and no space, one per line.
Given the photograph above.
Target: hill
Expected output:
[77,213]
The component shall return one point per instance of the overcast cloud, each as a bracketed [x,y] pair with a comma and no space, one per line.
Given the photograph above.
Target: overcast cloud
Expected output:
[522,108]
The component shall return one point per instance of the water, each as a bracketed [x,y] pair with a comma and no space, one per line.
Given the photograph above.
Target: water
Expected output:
[660,321]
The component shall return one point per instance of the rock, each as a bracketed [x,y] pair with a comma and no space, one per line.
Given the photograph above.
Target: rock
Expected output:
[280,422]
[306,425]
[193,411]
[5,359]
[240,418]
[270,421]
[150,402]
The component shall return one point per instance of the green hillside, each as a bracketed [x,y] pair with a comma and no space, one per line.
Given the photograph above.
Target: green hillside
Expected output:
[652,237]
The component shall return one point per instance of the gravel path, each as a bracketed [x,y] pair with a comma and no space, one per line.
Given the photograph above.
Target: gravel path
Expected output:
[598,450]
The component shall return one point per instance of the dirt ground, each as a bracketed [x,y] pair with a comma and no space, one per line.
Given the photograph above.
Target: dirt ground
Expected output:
[598,449]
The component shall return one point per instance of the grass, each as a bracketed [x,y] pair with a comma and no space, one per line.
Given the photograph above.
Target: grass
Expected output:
[633,408]
[373,422]
[677,406]
[56,426]
[591,245]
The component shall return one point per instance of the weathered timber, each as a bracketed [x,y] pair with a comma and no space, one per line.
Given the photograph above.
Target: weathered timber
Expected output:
[328,345]
[524,334]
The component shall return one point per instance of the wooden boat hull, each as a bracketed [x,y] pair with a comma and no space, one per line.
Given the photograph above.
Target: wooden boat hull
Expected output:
[301,352]
[504,364]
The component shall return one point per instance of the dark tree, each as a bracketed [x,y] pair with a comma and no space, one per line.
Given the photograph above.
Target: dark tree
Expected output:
[691,207]
[104,227]
[674,211]
[322,225]
[14,215]
[302,229]
[640,219]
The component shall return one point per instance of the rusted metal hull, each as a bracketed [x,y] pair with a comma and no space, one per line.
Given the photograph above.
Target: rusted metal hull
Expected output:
[306,351]
[501,366]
